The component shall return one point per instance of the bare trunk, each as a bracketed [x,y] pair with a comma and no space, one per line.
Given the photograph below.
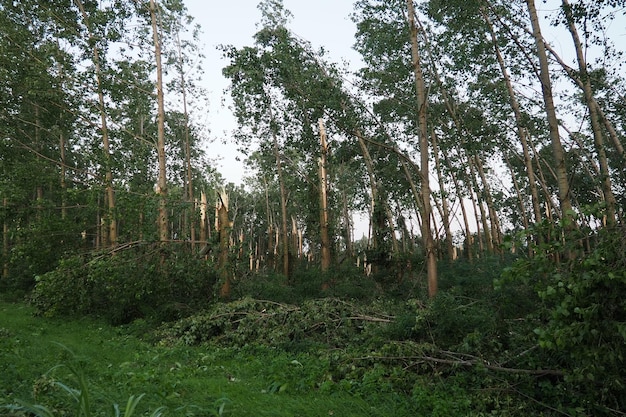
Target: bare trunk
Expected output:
[468,233]
[598,139]
[347,225]
[5,241]
[420,89]
[324,235]
[444,200]
[108,174]
[553,123]
[190,213]
[283,204]
[63,175]
[521,132]
[223,227]
[496,234]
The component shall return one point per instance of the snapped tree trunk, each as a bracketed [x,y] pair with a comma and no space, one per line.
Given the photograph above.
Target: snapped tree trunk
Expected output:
[223,228]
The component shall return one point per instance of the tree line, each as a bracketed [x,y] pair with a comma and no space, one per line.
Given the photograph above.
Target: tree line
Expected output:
[466,133]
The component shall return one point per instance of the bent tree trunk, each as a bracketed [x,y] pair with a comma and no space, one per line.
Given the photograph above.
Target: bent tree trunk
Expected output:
[553,123]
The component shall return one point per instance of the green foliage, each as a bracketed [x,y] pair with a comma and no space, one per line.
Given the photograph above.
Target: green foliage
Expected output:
[321,323]
[125,286]
[580,313]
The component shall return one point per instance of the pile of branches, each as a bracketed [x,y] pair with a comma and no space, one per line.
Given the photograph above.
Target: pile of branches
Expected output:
[327,323]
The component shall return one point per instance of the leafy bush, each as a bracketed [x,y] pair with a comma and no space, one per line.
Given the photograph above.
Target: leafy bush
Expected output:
[580,314]
[125,286]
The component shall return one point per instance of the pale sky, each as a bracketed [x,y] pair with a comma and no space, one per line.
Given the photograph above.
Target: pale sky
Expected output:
[324,23]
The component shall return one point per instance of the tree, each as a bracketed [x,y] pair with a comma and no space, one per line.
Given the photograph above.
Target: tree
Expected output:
[553,123]
[162,182]
[420,90]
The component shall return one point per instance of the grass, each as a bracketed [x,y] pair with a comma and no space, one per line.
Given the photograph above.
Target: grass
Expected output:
[54,362]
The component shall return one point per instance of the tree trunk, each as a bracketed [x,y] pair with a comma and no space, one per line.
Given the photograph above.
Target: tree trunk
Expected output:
[223,227]
[553,123]
[324,235]
[283,203]
[469,240]
[420,89]
[496,234]
[521,132]
[108,174]
[444,200]
[5,240]
[598,139]
[162,181]
[190,212]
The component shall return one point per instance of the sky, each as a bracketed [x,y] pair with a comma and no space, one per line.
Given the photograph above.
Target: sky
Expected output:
[324,23]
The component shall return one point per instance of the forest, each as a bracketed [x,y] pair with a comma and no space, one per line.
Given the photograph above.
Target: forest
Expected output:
[481,143]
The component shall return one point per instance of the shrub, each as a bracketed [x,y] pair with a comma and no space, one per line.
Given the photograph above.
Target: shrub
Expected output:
[125,286]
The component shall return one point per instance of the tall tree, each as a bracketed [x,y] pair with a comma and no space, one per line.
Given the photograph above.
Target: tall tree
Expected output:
[553,122]
[163,221]
[422,101]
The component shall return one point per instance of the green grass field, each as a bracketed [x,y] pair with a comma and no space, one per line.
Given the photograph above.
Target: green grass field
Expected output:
[56,363]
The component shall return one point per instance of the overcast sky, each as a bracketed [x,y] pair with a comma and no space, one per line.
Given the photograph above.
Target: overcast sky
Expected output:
[324,23]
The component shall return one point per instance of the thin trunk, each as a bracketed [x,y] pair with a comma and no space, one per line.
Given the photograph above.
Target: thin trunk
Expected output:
[518,192]
[468,233]
[598,139]
[521,132]
[369,166]
[5,240]
[283,203]
[163,221]
[63,175]
[444,200]
[420,89]
[553,123]
[522,206]
[190,214]
[496,233]
[203,217]
[324,235]
[111,235]
[347,225]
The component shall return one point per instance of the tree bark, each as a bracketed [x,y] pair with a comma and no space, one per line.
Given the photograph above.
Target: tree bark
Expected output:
[598,139]
[190,212]
[420,89]
[553,123]
[324,235]
[444,200]
[162,181]
[283,201]
[108,174]
[223,227]
[5,240]
[521,132]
